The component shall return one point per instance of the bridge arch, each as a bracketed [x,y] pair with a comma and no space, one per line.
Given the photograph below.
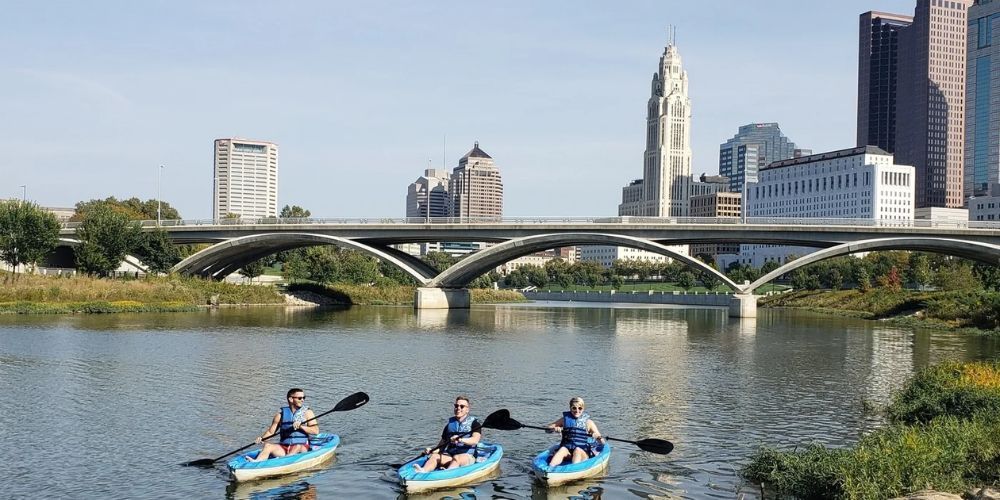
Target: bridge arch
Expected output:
[222,259]
[983,252]
[471,267]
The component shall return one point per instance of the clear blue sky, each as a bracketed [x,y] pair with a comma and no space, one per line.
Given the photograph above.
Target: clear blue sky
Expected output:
[94,95]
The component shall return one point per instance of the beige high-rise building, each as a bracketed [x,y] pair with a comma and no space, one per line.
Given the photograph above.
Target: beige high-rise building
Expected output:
[476,188]
[666,173]
[246,178]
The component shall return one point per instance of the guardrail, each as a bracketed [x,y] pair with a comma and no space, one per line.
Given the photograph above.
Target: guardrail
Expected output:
[766,221]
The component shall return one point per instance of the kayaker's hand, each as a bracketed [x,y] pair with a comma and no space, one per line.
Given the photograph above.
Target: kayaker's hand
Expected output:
[554,428]
[455,439]
[427,451]
[296,425]
[259,439]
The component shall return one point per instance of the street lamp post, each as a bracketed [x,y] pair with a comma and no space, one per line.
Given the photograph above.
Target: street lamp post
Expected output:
[24,192]
[159,175]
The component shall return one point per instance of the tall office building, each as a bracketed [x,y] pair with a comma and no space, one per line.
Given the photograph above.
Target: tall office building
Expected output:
[753,147]
[930,59]
[982,103]
[930,117]
[428,196]
[246,178]
[475,187]
[666,173]
[878,65]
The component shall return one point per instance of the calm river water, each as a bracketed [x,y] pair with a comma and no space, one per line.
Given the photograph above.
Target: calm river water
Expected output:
[107,406]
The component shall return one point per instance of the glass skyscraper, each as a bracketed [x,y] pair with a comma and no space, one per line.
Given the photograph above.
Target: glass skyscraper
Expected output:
[982,101]
[878,63]
[753,147]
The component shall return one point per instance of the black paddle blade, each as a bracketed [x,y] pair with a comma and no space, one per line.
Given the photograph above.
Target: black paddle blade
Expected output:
[202,462]
[356,400]
[501,420]
[652,445]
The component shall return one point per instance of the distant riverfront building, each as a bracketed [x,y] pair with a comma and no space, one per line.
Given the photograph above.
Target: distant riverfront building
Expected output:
[246,178]
[428,196]
[858,183]
[922,62]
[982,105]
[754,146]
[475,187]
[666,173]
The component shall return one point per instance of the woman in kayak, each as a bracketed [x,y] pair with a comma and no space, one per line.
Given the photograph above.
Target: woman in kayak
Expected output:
[294,433]
[458,442]
[576,427]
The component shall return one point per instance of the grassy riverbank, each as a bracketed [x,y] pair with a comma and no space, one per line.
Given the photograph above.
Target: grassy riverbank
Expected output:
[29,294]
[395,295]
[942,433]
[976,309]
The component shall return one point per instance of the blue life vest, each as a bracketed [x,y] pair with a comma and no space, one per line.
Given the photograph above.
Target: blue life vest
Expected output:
[574,432]
[288,433]
[462,430]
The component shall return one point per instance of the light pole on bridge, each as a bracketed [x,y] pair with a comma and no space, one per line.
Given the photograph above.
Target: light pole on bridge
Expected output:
[159,175]
[24,193]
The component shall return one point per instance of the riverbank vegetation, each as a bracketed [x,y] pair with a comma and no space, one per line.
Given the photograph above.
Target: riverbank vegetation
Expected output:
[348,294]
[51,294]
[973,308]
[942,432]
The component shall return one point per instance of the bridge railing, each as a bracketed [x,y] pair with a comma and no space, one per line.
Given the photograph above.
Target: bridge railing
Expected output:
[758,221]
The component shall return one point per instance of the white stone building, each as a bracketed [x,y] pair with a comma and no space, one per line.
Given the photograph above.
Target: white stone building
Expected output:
[246,178]
[607,255]
[857,183]
[666,172]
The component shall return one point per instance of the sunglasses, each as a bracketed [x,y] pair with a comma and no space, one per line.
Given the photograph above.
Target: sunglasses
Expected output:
[575,407]
[461,406]
[300,398]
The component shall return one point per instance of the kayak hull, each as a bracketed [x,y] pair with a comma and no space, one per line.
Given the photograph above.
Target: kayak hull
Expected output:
[321,449]
[487,463]
[562,474]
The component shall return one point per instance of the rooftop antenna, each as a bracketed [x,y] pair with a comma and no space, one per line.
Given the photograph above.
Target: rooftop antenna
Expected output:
[444,149]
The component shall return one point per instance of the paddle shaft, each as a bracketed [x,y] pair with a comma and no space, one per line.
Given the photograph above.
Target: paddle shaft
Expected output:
[268,437]
[646,443]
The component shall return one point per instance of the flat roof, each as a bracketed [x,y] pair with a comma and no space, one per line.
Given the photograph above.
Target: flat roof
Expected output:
[841,153]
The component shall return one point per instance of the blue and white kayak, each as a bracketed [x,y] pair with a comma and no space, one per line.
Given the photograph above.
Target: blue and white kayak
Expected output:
[321,448]
[488,457]
[561,474]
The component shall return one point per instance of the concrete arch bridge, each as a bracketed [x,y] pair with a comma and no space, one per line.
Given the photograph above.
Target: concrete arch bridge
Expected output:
[236,245]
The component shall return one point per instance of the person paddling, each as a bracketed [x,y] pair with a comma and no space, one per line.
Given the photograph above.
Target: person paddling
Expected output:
[293,433]
[458,442]
[576,427]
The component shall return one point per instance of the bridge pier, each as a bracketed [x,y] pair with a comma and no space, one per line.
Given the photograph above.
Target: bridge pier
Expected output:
[743,305]
[442,298]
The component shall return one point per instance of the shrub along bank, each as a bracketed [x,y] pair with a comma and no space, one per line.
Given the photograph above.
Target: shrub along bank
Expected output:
[977,308]
[942,433]
[49,294]
[395,295]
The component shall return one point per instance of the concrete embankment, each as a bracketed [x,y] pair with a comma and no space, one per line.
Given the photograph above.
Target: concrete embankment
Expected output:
[703,299]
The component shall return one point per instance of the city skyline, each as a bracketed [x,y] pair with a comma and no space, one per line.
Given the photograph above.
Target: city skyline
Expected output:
[95,104]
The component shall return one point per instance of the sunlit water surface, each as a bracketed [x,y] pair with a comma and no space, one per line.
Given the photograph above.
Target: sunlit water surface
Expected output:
[106,406]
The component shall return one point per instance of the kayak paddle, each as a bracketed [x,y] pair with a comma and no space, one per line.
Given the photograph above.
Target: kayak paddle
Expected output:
[491,420]
[351,402]
[504,422]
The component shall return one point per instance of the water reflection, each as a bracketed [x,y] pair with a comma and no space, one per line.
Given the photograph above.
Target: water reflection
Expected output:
[185,386]
[285,489]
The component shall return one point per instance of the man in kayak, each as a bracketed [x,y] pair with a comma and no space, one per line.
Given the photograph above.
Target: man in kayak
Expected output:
[576,427]
[289,421]
[458,440]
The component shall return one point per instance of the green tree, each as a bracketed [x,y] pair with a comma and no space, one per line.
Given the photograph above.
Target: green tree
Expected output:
[919,269]
[27,232]
[106,237]
[988,275]
[253,269]
[156,251]
[394,274]
[558,272]
[133,208]
[956,274]
[536,275]
[768,267]
[834,279]
[357,268]
[439,260]
[685,280]
[294,212]
[863,278]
